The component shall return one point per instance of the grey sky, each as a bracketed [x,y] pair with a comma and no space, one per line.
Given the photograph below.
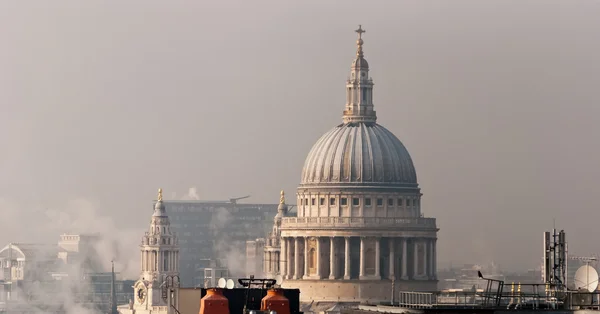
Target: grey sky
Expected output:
[497,102]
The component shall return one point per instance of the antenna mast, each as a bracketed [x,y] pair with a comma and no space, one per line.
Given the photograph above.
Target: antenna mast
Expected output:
[555,260]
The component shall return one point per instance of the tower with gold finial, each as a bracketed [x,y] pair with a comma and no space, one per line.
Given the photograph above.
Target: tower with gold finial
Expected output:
[159,262]
[272,260]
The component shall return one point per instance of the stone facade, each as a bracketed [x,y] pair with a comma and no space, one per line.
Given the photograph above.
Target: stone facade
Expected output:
[158,286]
[359,232]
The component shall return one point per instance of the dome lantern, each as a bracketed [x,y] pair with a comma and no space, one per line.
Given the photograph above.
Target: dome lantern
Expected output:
[359,88]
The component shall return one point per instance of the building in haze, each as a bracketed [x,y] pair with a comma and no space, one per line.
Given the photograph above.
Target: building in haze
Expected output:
[213,234]
[255,249]
[36,278]
[359,230]
[157,289]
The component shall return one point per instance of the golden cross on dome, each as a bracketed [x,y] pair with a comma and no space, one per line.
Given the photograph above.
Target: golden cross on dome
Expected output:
[160,195]
[360,31]
[282,198]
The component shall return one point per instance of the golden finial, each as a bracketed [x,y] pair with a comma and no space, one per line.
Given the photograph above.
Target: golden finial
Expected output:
[282,198]
[160,195]
[359,42]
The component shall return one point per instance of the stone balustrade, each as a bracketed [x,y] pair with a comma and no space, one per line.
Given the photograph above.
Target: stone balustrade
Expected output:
[356,222]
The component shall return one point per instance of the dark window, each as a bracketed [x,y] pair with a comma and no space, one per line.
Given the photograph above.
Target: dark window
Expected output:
[399,202]
[355,201]
[390,202]
[322,201]
[364,94]
[407,202]
[380,202]
[312,201]
[306,201]
[344,201]
[332,201]
[367,202]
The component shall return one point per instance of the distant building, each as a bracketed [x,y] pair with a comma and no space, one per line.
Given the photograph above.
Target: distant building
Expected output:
[214,234]
[50,276]
[212,276]
[254,258]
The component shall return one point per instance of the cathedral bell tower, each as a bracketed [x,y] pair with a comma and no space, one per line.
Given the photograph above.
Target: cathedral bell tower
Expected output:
[159,261]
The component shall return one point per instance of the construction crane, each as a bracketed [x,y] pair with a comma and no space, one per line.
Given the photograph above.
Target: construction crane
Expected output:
[234,200]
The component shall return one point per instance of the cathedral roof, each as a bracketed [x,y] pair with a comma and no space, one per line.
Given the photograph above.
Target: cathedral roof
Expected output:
[359,153]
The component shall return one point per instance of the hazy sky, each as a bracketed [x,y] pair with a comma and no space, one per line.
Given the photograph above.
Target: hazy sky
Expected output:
[497,102]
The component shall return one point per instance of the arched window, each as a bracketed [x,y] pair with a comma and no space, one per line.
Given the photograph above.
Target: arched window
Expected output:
[312,261]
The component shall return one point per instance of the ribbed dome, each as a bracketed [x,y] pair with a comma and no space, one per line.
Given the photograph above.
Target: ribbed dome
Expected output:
[358,154]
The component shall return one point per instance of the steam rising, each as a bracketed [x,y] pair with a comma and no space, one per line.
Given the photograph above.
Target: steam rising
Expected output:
[227,246]
[192,194]
[60,285]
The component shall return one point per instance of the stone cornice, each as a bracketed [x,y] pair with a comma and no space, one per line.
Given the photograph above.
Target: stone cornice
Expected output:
[348,223]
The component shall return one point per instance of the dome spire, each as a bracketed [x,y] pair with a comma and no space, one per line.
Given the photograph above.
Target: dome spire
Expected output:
[159,207]
[282,208]
[359,88]
[359,42]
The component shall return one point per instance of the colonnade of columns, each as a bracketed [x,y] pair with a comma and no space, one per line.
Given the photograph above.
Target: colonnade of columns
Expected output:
[158,260]
[368,258]
[271,262]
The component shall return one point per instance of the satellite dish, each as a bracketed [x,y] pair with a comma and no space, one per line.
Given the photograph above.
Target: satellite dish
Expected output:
[586,278]
[230,284]
[221,283]
[278,279]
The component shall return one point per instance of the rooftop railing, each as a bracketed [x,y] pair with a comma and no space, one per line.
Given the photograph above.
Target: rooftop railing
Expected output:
[356,222]
[519,296]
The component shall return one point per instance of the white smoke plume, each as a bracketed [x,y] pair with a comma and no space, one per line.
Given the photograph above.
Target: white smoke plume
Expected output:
[192,194]
[232,252]
[77,217]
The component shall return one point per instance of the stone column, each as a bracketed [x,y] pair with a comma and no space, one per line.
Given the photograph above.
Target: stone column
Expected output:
[282,257]
[160,261]
[362,258]
[377,258]
[297,274]
[289,261]
[347,258]
[434,259]
[430,259]
[404,275]
[305,257]
[318,270]
[332,263]
[416,258]
[265,262]
[392,244]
